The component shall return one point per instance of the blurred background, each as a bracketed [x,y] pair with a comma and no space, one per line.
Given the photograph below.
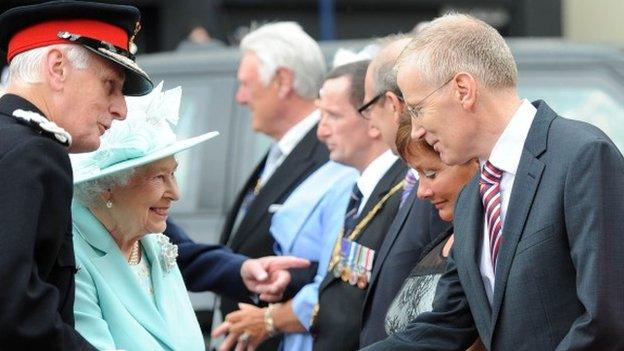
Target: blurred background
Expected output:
[568,53]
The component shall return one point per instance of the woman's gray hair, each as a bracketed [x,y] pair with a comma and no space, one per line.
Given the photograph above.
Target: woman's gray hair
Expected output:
[286,45]
[26,67]
[454,43]
[89,192]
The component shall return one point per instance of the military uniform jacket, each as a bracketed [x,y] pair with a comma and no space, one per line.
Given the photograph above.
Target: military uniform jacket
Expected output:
[37,264]
[338,322]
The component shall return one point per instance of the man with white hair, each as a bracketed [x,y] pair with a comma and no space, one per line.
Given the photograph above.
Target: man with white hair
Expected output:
[70,64]
[537,262]
[279,76]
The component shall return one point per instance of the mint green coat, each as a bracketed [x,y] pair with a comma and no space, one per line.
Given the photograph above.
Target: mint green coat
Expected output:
[112,311]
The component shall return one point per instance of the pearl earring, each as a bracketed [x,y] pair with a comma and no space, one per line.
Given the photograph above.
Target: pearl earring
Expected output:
[109,204]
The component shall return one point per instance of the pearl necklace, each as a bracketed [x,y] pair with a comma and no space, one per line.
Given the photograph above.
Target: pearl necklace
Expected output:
[135,255]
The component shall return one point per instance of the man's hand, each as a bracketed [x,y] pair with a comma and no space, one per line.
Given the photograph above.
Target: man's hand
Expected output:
[268,276]
[245,328]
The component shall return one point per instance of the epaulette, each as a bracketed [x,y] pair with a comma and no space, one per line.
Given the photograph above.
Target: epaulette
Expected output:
[44,125]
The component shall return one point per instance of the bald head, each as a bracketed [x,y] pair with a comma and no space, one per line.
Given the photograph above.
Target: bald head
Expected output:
[382,94]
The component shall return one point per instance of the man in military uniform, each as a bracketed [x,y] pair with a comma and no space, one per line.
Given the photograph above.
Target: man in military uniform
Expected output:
[70,66]
[375,199]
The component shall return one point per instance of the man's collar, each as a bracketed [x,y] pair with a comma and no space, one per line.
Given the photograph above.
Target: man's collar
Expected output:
[508,148]
[374,172]
[294,135]
[11,102]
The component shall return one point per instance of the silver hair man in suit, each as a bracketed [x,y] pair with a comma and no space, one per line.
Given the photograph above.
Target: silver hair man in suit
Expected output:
[537,262]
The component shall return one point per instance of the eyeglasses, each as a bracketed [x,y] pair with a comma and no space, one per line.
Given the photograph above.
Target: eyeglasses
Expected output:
[414,109]
[362,109]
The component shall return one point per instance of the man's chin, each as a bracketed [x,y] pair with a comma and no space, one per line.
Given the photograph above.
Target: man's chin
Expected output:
[335,157]
[79,146]
[447,158]
[451,160]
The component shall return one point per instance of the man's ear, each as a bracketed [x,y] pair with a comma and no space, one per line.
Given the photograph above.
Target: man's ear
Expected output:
[56,68]
[285,79]
[397,106]
[373,132]
[465,89]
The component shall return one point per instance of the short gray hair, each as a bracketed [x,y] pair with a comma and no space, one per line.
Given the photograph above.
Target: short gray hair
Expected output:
[383,66]
[89,192]
[285,44]
[26,67]
[457,42]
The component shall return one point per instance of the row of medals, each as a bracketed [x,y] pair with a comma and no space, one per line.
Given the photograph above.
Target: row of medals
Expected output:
[355,263]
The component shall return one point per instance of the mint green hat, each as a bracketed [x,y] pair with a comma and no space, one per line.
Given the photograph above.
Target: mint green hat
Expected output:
[143,137]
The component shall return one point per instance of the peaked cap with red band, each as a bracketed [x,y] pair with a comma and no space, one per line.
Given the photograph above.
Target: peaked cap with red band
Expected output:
[104,29]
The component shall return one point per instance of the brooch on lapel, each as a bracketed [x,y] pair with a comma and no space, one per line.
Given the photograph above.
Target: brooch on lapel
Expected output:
[44,124]
[168,252]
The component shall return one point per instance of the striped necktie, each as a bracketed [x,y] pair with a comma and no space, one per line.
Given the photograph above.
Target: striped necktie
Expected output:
[489,186]
[351,215]
[408,188]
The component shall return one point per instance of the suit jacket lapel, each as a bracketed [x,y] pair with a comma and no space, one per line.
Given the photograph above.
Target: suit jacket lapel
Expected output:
[122,280]
[384,185]
[289,172]
[249,184]
[525,186]
[159,277]
[468,233]
[388,242]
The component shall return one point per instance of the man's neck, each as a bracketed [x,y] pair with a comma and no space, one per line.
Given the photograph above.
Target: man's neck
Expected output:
[34,96]
[294,112]
[498,110]
[377,148]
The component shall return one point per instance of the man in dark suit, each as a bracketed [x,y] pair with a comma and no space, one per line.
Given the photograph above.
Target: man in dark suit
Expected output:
[537,260]
[65,88]
[352,140]
[416,222]
[279,76]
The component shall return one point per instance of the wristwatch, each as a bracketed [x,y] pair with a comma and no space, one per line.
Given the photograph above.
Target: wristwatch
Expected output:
[269,323]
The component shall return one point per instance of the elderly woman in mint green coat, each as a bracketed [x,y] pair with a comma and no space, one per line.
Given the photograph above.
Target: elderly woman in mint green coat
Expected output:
[129,291]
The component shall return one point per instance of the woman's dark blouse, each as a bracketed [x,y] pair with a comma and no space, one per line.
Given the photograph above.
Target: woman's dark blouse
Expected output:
[416,294]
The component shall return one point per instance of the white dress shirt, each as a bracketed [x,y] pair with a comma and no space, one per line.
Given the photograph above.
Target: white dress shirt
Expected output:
[505,156]
[287,143]
[372,175]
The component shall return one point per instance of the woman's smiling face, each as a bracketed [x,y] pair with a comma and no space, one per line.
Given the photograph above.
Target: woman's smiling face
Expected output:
[440,183]
[142,206]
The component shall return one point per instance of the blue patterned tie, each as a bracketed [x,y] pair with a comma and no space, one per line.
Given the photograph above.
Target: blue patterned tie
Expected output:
[351,215]
[408,187]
